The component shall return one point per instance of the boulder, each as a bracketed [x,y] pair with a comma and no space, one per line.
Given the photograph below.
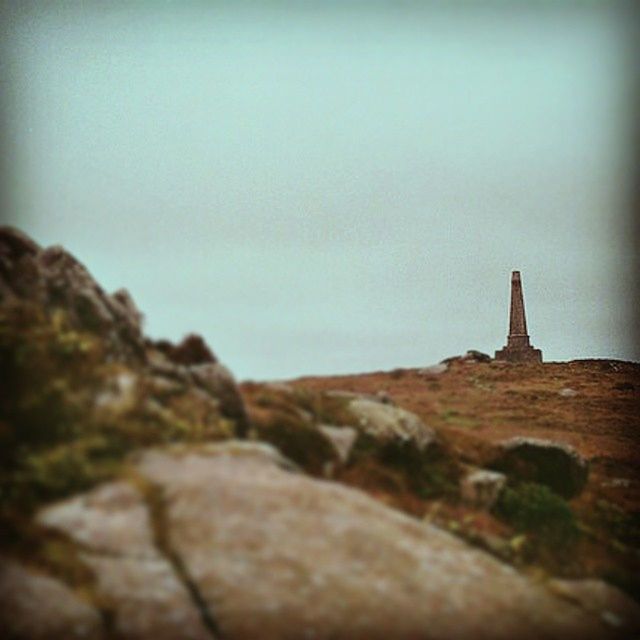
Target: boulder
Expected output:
[481,488]
[272,554]
[554,464]
[387,423]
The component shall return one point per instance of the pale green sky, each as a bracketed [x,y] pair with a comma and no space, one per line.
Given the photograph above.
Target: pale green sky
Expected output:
[323,189]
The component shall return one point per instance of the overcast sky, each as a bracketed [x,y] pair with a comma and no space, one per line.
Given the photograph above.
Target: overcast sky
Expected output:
[322,189]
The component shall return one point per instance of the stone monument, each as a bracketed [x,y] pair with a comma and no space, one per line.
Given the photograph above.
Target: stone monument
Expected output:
[518,348]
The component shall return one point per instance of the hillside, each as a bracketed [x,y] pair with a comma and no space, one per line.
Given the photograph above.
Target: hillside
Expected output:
[145,494]
[591,405]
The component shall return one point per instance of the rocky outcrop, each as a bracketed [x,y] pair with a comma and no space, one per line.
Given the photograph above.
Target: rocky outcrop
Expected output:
[387,423]
[53,279]
[264,552]
[556,465]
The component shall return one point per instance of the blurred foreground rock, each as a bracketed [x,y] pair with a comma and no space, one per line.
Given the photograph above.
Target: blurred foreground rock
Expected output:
[265,553]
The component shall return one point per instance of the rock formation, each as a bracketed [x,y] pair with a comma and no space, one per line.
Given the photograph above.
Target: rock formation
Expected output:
[131,510]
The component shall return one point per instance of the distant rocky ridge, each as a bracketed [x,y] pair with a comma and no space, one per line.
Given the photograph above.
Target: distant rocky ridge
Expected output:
[150,496]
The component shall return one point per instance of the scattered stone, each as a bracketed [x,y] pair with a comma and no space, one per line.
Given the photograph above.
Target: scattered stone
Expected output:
[556,465]
[342,438]
[34,606]
[388,423]
[481,488]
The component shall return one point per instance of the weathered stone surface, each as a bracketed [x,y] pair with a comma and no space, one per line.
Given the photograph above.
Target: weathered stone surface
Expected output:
[611,605]
[54,284]
[34,606]
[554,464]
[388,423]
[148,599]
[342,439]
[146,595]
[481,488]
[280,555]
[112,519]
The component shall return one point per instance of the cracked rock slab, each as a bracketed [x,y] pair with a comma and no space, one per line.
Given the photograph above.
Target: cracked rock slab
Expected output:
[113,527]
[277,555]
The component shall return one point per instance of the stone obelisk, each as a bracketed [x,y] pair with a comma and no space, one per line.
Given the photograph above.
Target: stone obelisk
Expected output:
[518,347]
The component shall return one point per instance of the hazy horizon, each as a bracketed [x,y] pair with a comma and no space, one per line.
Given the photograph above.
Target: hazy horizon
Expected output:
[319,189]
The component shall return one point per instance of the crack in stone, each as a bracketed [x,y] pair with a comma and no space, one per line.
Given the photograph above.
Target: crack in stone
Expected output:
[154,498]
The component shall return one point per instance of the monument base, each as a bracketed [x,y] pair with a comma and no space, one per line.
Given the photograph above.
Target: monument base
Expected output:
[522,354]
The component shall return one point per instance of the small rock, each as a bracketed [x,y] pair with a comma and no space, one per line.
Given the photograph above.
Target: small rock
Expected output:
[342,439]
[567,392]
[481,488]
